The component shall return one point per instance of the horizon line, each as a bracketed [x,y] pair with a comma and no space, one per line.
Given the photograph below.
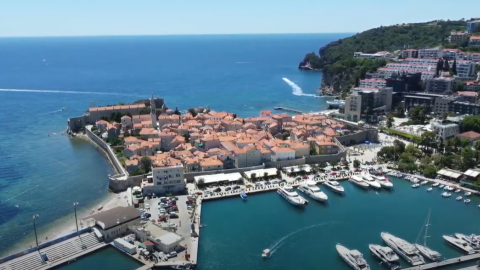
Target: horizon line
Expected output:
[158,35]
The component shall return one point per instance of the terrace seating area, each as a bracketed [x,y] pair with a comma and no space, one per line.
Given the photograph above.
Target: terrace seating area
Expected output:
[53,253]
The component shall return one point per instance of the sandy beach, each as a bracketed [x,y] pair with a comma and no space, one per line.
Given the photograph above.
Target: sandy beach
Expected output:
[66,225]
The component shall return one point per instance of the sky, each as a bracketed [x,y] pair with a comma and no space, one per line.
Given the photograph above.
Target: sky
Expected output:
[21,18]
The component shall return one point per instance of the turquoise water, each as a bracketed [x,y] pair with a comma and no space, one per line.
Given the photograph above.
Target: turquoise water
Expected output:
[43,172]
[238,231]
[108,258]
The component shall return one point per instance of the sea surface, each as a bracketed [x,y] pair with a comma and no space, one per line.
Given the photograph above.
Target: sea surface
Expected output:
[43,172]
[237,231]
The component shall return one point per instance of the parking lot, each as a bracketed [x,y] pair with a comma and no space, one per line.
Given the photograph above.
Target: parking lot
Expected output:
[180,225]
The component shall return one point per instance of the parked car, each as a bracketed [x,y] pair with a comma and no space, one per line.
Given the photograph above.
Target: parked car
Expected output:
[146,215]
[217,189]
[228,188]
[173,215]
[275,181]
[191,197]
[173,254]
[163,199]
[236,187]
[189,207]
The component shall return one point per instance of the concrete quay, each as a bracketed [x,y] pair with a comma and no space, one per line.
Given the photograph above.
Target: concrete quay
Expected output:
[447,262]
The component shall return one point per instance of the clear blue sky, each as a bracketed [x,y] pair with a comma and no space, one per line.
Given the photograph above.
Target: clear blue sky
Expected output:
[167,17]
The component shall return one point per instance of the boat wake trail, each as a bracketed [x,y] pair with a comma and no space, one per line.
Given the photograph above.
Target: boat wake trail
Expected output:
[52,112]
[64,92]
[282,240]
[18,194]
[297,91]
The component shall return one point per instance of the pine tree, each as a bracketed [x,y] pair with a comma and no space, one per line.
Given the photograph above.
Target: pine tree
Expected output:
[446,66]
[454,67]
[439,67]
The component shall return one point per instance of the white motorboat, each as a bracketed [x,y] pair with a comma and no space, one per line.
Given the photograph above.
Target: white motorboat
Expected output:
[435,184]
[467,194]
[371,181]
[460,244]
[266,253]
[384,182]
[466,201]
[441,186]
[446,194]
[335,186]
[415,185]
[424,182]
[429,189]
[459,198]
[291,196]
[311,189]
[403,248]
[357,180]
[472,240]
[450,188]
[386,256]
[423,249]
[457,190]
[353,257]
[414,180]
[445,187]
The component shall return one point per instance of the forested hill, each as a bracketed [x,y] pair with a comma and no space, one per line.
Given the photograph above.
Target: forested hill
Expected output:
[337,56]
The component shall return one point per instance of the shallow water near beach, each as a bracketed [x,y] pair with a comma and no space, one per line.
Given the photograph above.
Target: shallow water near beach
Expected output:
[238,231]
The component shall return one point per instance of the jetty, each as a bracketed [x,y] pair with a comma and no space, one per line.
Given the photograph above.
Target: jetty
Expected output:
[447,262]
[288,110]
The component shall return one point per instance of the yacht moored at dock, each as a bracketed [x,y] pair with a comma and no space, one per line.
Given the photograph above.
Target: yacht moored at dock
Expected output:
[371,181]
[423,249]
[311,189]
[291,196]
[335,186]
[357,180]
[386,256]
[403,248]
[459,244]
[384,182]
[472,240]
[353,257]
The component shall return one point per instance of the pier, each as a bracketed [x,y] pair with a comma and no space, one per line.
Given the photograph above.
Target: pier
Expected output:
[288,110]
[447,262]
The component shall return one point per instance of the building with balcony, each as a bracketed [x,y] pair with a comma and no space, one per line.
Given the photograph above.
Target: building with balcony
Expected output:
[440,85]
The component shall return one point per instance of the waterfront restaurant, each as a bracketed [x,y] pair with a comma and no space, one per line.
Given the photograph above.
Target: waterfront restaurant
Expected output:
[470,177]
[218,178]
[450,174]
[260,173]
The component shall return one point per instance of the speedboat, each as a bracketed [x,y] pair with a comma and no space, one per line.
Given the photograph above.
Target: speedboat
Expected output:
[467,194]
[357,180]
[311,189]
[384,182]
[460,244]
[435,184]
[386,256]
[457,190]
[403,248]
[446,194]
[472,240]
[353,257]
[459,198]
[371,181]
[291,196]
[441,186]
[335,186]
[415,185]
[266,253]
[423,182]
[466,201]
[429,189]
[243,195]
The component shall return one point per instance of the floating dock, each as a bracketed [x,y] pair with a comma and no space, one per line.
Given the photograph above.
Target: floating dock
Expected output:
[447,262]
[288,110]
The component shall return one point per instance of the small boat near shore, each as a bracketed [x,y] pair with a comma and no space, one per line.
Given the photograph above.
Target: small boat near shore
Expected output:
[435,184]
[415,185]
[386,255]
[467,201]
[244,196]
[467,194]
[446,194]
[429,189]
[353,257]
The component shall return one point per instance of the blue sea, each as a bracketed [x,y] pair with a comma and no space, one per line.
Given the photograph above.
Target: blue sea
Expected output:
[43,172]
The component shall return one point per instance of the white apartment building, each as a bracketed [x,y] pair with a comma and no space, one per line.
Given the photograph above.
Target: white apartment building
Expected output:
[377,55]
[282,153]
[439,85]
[444,131]
[474,41]
[421,61]
[373,83]
[361,98]
[433,53]
[414,67]
[167,178]
[387,72]
[465,69]
[409,53]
